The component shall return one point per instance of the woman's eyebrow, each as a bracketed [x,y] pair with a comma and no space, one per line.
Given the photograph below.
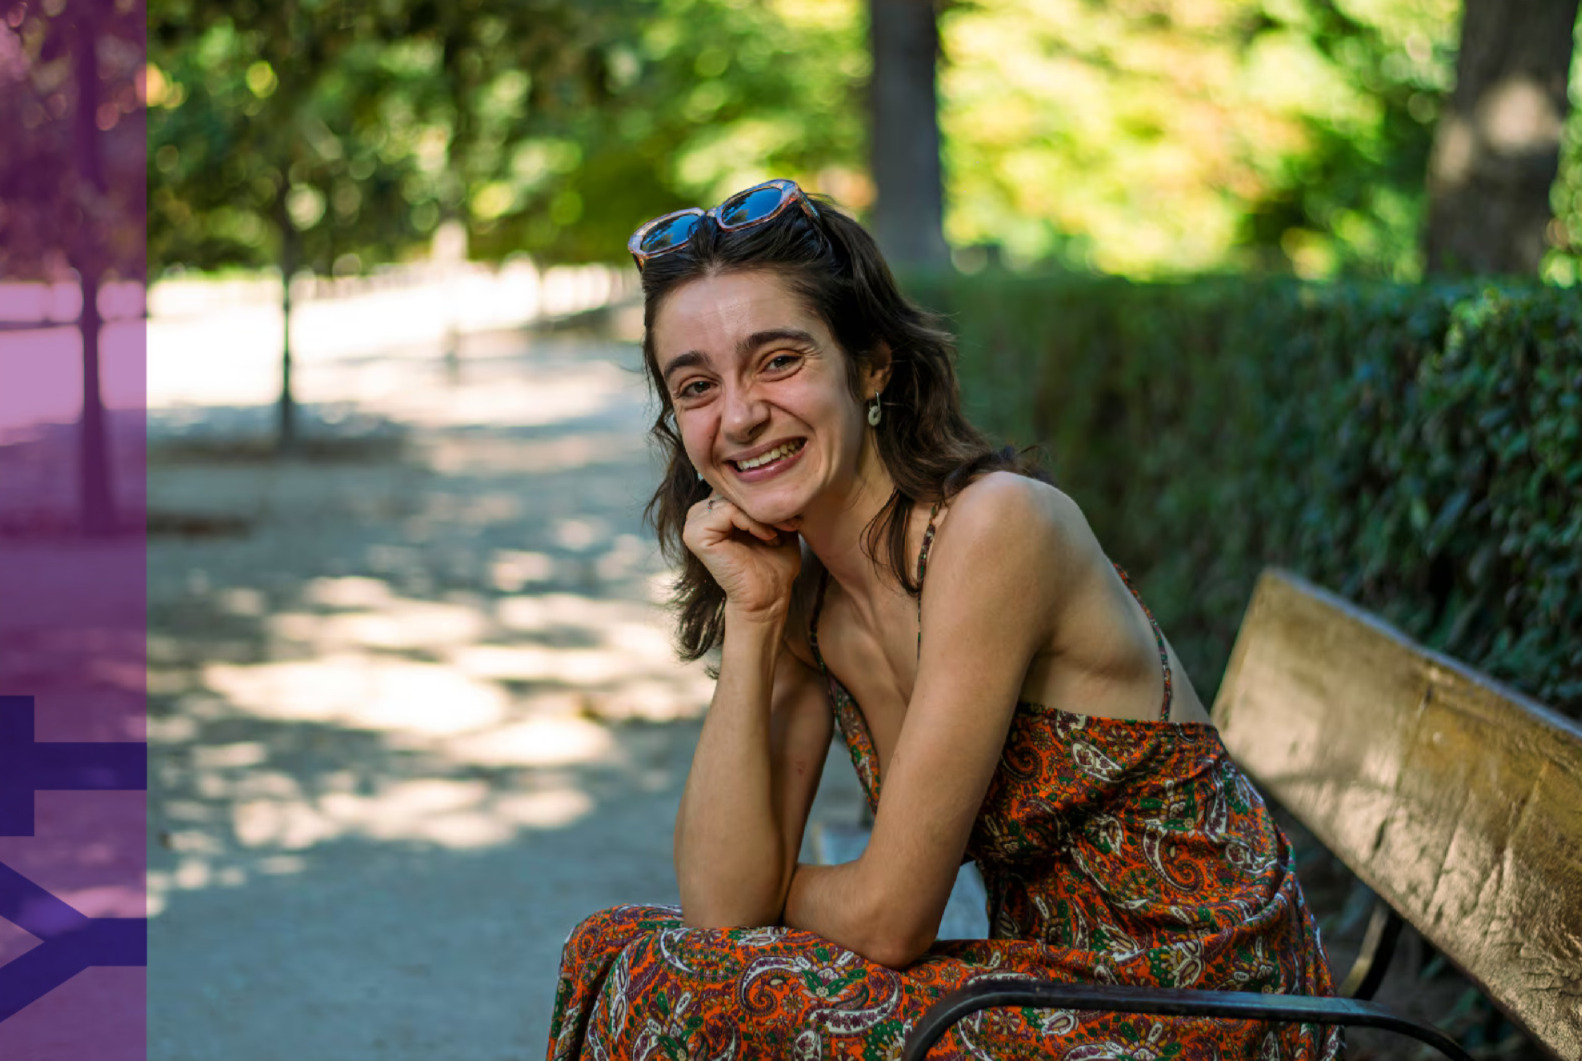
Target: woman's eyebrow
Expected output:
[774,335]
[686,360]
[747,345]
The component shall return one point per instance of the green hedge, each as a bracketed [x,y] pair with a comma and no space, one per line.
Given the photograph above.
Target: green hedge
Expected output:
[1416,449]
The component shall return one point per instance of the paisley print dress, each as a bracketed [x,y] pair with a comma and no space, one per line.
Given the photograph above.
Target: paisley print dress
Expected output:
[1113,851]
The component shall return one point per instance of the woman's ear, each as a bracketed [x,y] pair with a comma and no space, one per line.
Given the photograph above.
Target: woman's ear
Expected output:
[876,375]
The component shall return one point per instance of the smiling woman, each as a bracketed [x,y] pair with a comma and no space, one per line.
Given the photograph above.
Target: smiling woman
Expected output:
[818,467]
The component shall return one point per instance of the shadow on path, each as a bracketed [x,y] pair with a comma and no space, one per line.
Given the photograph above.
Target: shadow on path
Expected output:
[410,722]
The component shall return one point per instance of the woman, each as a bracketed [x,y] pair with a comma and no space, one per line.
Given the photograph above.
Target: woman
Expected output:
[1024,712]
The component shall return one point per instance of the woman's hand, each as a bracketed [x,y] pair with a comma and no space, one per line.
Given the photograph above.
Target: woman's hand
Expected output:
[754,563]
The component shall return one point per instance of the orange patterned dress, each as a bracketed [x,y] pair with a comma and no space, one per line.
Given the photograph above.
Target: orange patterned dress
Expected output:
[1113,851]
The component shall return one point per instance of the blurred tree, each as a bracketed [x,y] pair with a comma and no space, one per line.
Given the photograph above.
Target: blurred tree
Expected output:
[904,131]
[71,180]
[684,101]
[1563,264]
[1151,137]
[1139,136]
[1350,198]
[1497,148]
[512,118]
[283,133]
[329,136]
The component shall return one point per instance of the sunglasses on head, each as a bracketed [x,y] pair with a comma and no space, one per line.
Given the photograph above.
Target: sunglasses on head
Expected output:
[748,207]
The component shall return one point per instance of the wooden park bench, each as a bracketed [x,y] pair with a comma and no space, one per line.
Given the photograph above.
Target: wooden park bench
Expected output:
[1457,801]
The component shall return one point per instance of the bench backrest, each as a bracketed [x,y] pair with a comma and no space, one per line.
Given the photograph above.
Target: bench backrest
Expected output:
[1455,799]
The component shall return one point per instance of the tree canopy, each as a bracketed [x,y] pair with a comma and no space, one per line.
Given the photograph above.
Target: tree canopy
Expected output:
[1146,137]
[71,185]
[545,127]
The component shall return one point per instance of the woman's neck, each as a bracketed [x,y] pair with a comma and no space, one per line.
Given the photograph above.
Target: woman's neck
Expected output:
[836,529]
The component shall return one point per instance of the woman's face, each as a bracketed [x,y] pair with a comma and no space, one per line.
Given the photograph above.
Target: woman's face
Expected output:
[760,393]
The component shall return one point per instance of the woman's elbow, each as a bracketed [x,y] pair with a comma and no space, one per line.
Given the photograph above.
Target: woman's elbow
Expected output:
[896,950]
[897,924]
[896,938]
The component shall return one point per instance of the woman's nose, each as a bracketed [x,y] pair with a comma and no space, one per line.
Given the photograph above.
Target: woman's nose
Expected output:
[746,413]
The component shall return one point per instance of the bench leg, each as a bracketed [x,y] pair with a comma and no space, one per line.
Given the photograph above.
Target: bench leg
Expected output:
[1378,947]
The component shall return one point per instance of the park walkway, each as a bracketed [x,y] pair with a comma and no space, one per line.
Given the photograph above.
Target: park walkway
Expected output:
[413,707]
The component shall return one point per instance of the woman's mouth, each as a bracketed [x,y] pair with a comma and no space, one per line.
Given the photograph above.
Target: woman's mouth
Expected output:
[770,463]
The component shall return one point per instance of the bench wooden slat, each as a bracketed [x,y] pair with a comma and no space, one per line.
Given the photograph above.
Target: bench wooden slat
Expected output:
[1457,800]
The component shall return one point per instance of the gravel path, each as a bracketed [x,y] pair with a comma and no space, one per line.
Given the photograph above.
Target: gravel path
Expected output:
[413,708]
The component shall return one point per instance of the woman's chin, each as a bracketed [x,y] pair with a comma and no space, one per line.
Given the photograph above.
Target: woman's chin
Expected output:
[778,514]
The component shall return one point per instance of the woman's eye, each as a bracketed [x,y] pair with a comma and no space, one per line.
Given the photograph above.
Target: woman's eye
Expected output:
[694,389]
[782,361]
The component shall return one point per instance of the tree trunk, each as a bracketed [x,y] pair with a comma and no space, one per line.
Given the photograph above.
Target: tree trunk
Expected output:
[1497,147]
[286,440]
[96,499]
[903,108]
[449,243]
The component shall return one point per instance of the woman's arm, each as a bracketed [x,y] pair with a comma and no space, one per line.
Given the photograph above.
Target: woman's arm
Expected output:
[753,778]
[998,571]
[764,740]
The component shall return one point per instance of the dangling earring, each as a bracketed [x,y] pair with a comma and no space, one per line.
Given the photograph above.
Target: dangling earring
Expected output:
[700,477]
[873,412]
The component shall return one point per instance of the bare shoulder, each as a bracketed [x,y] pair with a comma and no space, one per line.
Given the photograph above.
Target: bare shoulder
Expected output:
[1013,517]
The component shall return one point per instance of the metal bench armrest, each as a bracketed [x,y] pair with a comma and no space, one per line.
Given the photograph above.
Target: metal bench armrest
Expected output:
[1173,1002]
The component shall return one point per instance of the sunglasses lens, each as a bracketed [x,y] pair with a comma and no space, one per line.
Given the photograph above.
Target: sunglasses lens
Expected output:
[671,233]
[750,206]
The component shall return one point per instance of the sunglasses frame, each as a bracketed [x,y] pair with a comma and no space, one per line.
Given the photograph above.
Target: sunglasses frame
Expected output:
[790,192]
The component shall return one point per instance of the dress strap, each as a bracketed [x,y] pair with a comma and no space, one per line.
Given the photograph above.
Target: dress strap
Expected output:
[922,569]
[1159,638]
[823,584]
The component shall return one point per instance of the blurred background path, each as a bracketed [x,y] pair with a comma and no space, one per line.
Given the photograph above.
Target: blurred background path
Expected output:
[415,710]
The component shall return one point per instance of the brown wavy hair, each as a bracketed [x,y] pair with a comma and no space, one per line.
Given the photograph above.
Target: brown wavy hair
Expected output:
[927,444]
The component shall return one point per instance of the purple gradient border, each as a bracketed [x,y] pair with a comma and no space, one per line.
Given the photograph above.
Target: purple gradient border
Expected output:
[73,617]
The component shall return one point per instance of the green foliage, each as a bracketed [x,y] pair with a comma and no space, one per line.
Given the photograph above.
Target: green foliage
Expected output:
[344,130]
[69,200]
[699,98]
[247,138]
[1134,137]
[547,126]
[1563,263]
[1416,449]
[1159,139]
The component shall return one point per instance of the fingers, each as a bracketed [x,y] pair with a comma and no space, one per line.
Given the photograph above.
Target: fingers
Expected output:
[720,514]
[743,522]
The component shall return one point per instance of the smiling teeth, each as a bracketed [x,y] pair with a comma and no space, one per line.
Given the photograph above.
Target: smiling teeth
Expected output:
[775,454]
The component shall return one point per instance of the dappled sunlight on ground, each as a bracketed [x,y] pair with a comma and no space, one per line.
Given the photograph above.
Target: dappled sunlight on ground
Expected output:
[392,697]
[414,709]
[391,719]
[445,812]
[453,647]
